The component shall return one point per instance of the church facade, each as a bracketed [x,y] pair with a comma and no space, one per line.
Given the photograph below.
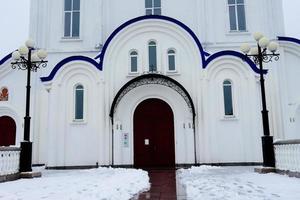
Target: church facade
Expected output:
[151,83]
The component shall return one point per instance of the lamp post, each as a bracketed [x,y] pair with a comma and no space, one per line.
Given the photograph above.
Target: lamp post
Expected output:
[26,58]
[265,52]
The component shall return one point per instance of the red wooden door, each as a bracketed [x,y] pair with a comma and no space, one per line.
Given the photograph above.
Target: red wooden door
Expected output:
[7,131]
[154,144]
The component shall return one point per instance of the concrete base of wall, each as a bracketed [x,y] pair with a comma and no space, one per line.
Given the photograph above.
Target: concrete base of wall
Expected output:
[264,170]
[30,175]
[177,166]
[289,173]
[10,177]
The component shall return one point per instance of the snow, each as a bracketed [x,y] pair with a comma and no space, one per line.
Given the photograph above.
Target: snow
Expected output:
[100,184]
[237,183]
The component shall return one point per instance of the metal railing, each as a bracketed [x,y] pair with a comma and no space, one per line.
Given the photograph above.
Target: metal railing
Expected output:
[9,160]
[287,155]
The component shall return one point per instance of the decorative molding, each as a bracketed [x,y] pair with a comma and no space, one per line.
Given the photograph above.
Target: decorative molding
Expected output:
[152,79]
[289,39]
[205,56]
[68,60]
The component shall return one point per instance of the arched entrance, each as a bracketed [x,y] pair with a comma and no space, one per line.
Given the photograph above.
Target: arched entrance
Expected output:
[7,131]
[154,144]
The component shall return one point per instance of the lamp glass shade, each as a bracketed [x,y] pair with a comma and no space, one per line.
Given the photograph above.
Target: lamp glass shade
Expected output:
[257,36]
[29,43]
[34,57]
[42,54]
[23,50]
[16,55]
[254,51]
[273,46]
[264,42]
[245,48]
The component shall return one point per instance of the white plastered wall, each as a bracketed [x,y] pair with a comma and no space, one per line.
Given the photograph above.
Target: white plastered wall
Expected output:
[76,143]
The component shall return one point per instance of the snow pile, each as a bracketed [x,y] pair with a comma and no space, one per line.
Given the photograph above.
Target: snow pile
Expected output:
[95,184]
[236,183]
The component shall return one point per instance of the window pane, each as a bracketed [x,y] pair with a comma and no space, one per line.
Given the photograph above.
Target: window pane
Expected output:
[171,62]
[67,25]
[76,24]
[152,43]
[240,1]
[148,3]
[157,11]
[241,17]
[227,83]
[79,104]
[228,100]
[232,18]
[134,64]
[152,58]
[68,5]
[76,4]
[231,1]
[79,87]
[157,3]
[171,51]
[148,11]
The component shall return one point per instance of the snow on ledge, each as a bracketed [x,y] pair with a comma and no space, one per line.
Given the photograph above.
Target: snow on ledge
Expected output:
[94,184]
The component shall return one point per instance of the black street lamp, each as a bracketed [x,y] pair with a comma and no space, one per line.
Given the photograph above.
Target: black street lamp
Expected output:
[26,59]
[261,55]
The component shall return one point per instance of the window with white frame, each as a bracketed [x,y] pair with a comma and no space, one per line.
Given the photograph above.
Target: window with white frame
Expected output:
[237,16]
[72,18]
[228,99]
[171,60]
[152,56]
[153,7]
[133,61]
[79,102]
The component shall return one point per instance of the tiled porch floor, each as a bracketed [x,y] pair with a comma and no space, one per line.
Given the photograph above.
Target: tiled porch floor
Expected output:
[163,186]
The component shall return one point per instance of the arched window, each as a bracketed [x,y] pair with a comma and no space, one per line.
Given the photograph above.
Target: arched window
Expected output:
[152,56]
[79,102]
[237,16]
[171,60]
[71,18]
[4,94]
[153,7]
[133,62]
[228,100]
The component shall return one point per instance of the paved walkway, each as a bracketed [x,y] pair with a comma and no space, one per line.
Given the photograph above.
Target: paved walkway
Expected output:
[163,186]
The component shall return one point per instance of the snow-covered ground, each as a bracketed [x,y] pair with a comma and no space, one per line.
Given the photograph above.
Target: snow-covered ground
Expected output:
[94,184]
[236,183]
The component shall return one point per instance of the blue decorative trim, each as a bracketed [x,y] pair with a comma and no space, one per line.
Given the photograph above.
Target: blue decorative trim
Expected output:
[206,54]
[6,58]
[147,17]
[236,54]
[205,57]
[67,60]
[289,39]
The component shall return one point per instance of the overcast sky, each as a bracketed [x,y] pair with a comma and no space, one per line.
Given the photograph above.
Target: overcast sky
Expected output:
[14,22]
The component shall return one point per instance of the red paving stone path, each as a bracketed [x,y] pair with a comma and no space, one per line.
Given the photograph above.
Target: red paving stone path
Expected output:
[163,186]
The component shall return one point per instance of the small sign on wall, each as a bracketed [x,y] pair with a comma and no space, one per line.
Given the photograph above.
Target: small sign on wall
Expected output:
[125,140]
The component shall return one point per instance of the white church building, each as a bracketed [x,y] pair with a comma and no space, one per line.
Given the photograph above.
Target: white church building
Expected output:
[151,83]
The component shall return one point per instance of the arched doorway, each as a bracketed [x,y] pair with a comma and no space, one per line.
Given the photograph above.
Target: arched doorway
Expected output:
[154,144]
[7,131]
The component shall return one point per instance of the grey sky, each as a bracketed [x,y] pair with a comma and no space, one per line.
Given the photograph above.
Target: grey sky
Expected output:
[14,22]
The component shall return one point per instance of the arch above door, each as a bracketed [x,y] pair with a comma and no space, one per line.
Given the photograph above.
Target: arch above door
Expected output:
[152,79]
[7,131]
